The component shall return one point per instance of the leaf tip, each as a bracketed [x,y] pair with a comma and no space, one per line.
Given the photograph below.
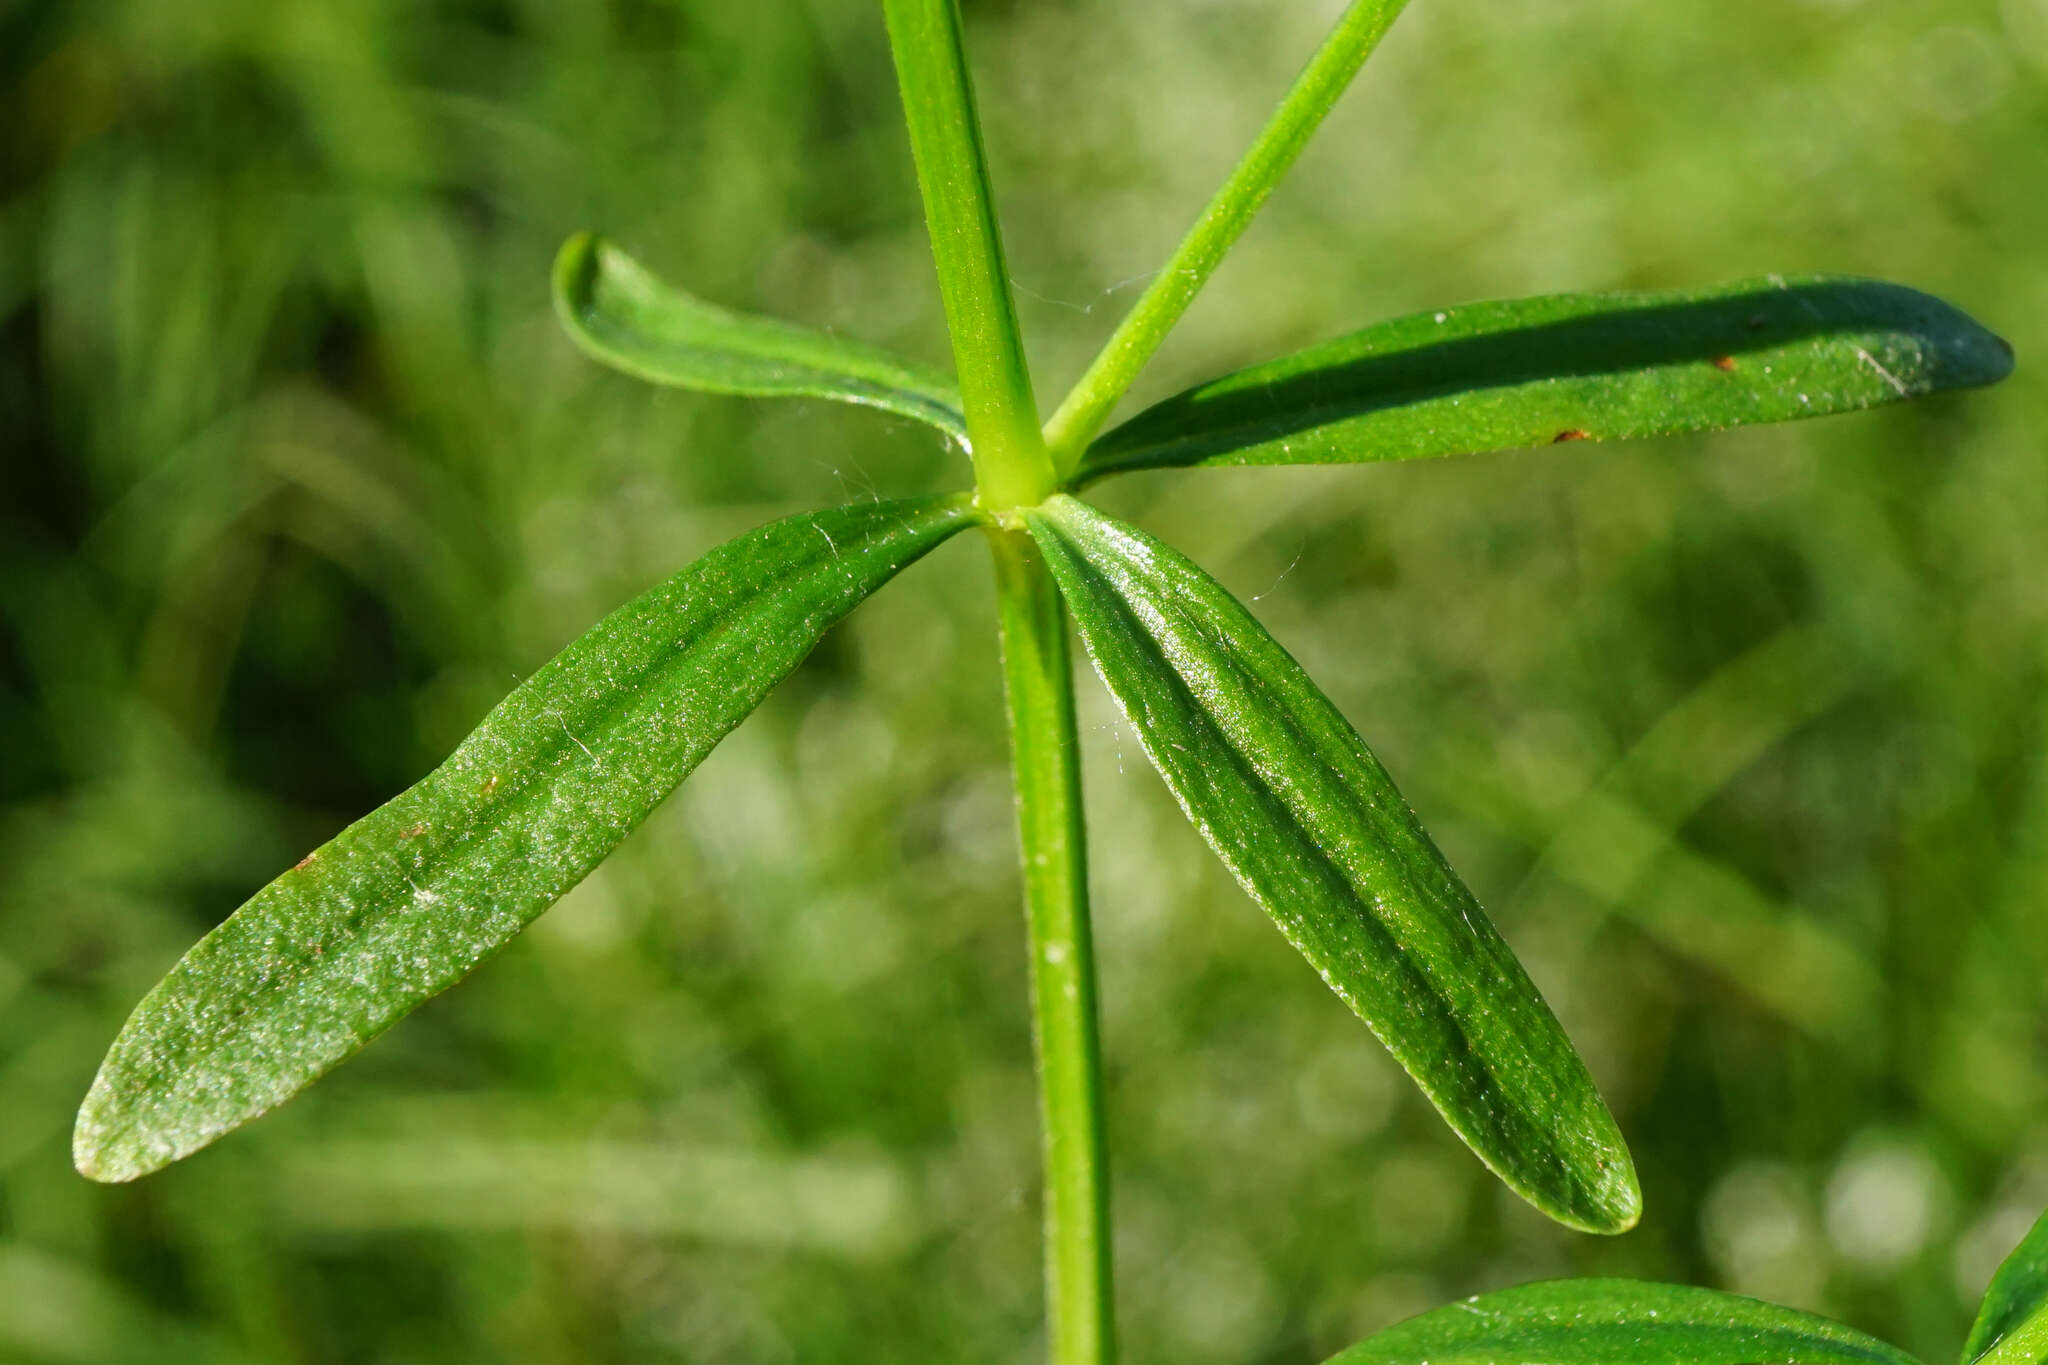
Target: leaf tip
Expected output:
[1622,1205]
[89,1165]
[1998,357]
[575,266]
[125,1129]
[1964,353]
[1608,1204]
[98,1149]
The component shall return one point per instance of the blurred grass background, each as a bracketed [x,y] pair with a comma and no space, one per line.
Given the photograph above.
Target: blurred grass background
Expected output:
[1742,738]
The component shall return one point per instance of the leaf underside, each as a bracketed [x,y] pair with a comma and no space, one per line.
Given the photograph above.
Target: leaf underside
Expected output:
[2012,1322]
[406,901]
[1617,1322]
[1568,367]
[622,315]
[1290,798]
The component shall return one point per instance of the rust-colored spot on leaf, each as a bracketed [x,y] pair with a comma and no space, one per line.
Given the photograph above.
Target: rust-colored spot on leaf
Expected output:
[307,861]
[490,785]
[416,831]
[1574,434]
[1725,363]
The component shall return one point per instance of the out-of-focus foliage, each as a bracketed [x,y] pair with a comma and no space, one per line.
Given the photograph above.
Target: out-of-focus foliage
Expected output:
[1742,740]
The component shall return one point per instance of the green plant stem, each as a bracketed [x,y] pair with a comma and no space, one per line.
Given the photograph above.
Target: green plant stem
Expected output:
[1010,461]
[1138,336]
[1038,679]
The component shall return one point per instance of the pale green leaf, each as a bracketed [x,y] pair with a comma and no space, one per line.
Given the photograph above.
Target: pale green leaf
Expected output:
[403,903]
[621,314]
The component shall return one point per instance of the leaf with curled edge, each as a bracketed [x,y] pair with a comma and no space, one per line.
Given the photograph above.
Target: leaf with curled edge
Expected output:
[623,315]
[406,901]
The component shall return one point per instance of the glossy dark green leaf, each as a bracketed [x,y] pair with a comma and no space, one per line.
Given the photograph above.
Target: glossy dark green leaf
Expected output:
[621,314]
[1617,1322]
[1530,372]
[1289,796]
[2012,1322]
[407,900]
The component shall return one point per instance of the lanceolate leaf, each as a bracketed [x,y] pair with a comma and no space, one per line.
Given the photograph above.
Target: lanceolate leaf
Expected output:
[1617,1322]
[1531,372]
[2012,1322]
[622,315]
[1290,798]
[407,900]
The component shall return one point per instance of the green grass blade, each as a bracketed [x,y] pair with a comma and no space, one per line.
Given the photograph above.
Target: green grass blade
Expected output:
[1531,372]
[1288,795]
[403,903]
[622,315]
[2012,1322]
[1617,1322]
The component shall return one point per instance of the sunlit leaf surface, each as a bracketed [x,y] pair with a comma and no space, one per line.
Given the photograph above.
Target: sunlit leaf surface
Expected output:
[403,903]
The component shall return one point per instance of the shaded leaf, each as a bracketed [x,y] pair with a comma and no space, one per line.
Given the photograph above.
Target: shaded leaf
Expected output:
[2012,1322]
[1617,1322]
[403,903]
[1289,796]
[620,313]
[1531,372]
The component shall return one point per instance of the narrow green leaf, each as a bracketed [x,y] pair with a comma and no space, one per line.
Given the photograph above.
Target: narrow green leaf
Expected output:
[1289,796]
[1531,372]
[1315,92]
[2012,1322]
[1617,1322]
[622,315]
[403,903]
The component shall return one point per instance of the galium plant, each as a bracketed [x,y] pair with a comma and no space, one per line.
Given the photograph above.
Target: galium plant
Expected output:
[409,899]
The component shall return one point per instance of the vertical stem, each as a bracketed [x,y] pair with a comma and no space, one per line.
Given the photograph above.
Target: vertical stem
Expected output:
[1010,463]
[1039,682]
[1012,470]
[1314,92]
